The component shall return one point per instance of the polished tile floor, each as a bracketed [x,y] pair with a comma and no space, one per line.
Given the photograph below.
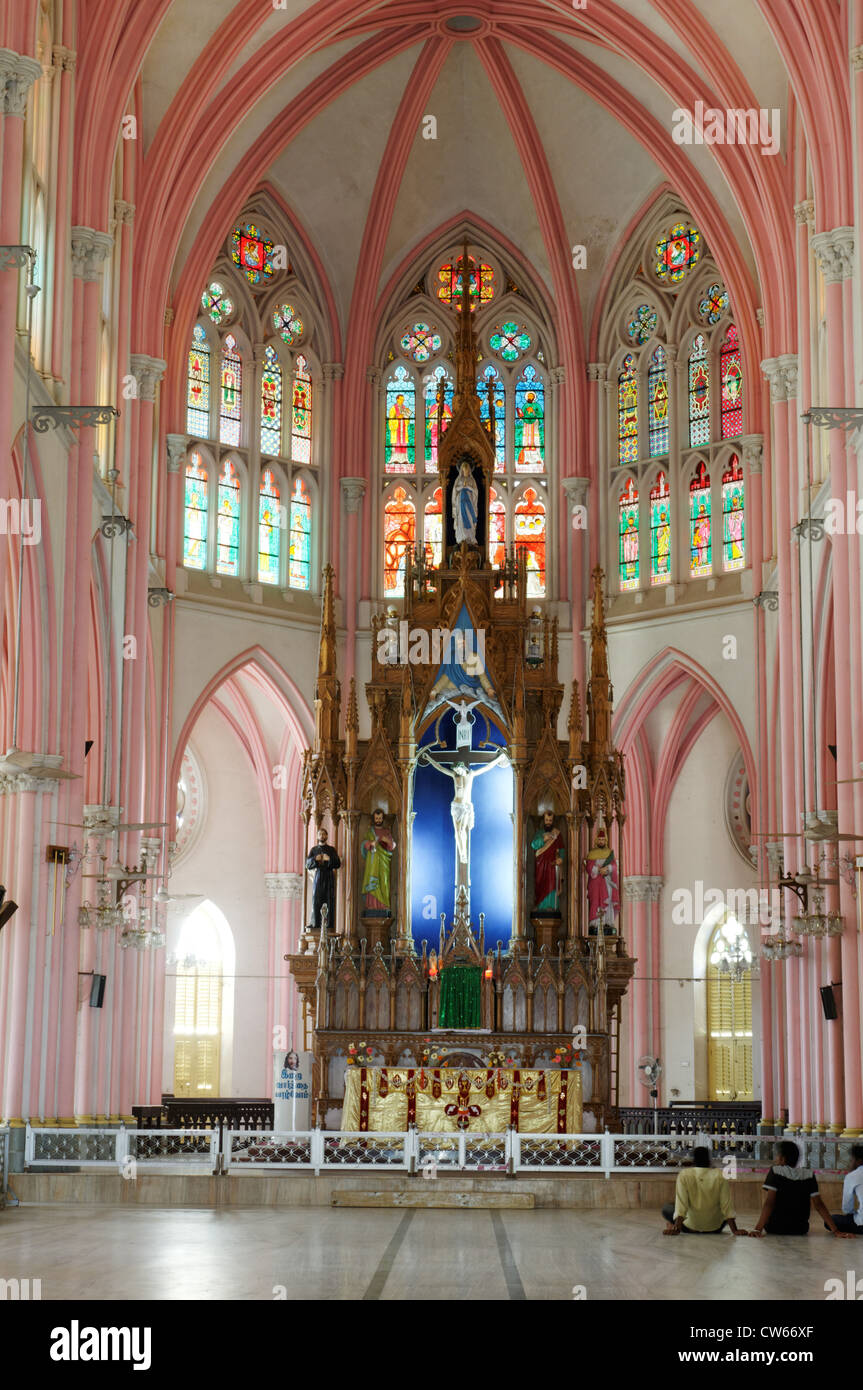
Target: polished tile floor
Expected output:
[325,1253]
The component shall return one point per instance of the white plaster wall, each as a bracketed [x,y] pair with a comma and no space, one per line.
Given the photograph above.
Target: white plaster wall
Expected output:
[226,865]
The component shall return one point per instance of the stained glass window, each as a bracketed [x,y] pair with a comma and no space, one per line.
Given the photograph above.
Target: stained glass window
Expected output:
[677,252]
[733,547]
[660,531]
[401,416]
[301,413]
[529,422]
[497,531]
[271,404]
[287,324]
[216,303]
[530,538]
[627,412]
[700,539]
[231,405]
[713,305]
[399,533]
[627,526]
[228,521]
[657,395]
[269,529]
[253,253]
[300,558]
[421,342]
[198,389]
[731,380]
[510,341]
[481,286]
[195,515]
[439,377]
[490,377]
[433,532]
[699,394]
[643,326]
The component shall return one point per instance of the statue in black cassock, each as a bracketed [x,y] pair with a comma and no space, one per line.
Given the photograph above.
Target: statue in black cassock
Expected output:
[324,860]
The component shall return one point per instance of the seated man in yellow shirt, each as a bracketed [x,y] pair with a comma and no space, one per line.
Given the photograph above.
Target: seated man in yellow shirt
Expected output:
[702,1200]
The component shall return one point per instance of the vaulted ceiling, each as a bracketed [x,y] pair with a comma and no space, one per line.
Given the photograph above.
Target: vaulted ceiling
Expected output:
[538,104]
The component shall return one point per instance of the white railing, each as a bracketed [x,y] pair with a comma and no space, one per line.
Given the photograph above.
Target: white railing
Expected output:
[320,1151]
[123,1149]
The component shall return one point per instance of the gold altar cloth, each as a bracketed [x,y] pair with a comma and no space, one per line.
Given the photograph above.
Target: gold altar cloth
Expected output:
[388,1099]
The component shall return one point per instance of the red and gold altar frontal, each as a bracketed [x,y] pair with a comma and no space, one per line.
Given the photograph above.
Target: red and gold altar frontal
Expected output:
[437,1101]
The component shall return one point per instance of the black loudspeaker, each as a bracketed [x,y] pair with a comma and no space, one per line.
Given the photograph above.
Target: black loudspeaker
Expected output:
[7,907]
[828,1002]
[97,991]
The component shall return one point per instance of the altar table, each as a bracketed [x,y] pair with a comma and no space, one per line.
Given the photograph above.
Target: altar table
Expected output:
[488,1099]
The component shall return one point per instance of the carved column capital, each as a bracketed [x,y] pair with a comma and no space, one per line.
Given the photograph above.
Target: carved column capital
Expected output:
[753,452]
[597,371]
[781,372]
[89,251]
[576,490]
[557,375]
[333,371]
[857,58]
[285,885]
[835,253]
[176,446]
[804,213]
[124,212]
[148,372]
[642,888]
[373,376]
[353,491]
[789,367]
[17,75]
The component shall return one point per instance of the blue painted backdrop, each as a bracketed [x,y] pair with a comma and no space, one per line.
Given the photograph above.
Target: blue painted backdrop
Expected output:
[491,845]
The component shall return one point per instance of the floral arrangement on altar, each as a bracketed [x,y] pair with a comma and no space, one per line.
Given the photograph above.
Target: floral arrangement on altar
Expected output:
[497,1059]
[432,1056]
[359,1052]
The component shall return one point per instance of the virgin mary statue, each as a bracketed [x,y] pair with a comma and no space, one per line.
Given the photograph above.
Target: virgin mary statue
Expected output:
[465,495]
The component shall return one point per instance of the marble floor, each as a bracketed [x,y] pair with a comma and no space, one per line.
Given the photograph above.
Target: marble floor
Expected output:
[324,1253]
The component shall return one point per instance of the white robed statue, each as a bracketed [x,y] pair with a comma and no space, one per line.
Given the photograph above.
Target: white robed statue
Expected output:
[465,501]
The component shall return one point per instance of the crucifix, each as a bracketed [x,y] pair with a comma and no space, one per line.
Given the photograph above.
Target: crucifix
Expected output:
[462,765]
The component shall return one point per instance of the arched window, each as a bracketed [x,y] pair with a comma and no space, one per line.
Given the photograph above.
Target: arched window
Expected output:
[204,956]
[530,537]
[700,539]
[660,531]
[271,404]
[269,529]
[729,1013]
[301,413]
[733,541]
[489,383]
[699,394]
[731,383]
[657,396]
[195,515]
[433,530]
[198,385]
[401,419]
[627,412]
[228,521]
[627,527]
[399,533]
[530,422]
[300,564]
[438,413]
[497,530]
[231,407]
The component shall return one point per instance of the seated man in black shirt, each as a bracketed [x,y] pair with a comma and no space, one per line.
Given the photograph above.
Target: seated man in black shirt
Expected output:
[789,1192]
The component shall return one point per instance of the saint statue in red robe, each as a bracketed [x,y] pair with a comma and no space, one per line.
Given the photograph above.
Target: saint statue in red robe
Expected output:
[548,865]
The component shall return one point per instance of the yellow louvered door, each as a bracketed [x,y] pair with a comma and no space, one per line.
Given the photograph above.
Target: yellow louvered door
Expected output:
[729,1031]
[197,1032]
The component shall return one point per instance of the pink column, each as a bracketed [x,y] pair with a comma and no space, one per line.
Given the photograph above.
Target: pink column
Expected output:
[22,928]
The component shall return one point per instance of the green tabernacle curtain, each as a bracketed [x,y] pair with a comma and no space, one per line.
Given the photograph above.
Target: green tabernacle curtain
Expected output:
[460,996]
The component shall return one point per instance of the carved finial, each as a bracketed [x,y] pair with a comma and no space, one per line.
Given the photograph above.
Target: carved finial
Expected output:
[352,721]
[599,687]
[465,358]
[574,723]
[327,651]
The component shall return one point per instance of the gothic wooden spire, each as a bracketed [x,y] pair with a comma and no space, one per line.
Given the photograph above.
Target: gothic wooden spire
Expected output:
[465,351]
[352,721]
[600,692]
[327,689]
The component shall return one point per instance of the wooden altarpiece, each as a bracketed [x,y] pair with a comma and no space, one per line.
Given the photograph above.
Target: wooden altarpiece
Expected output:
[362,978]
